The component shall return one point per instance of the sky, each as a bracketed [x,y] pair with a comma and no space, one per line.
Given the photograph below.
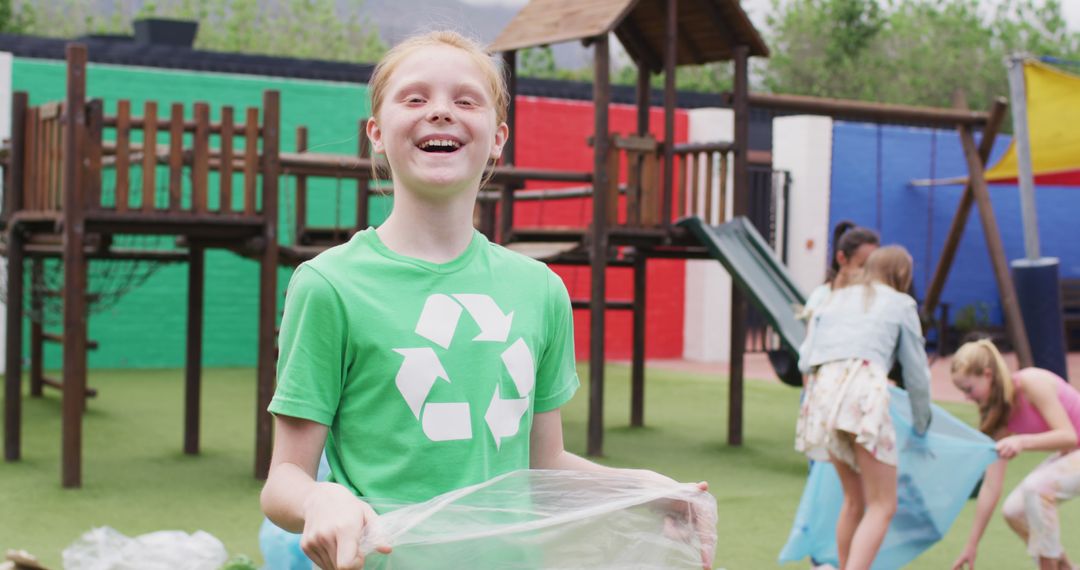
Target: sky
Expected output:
[758,8]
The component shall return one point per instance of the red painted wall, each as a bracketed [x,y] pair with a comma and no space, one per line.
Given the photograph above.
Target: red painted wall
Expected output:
[552,133]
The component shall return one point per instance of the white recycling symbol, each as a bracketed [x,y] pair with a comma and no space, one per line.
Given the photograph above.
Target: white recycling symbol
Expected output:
[421,368]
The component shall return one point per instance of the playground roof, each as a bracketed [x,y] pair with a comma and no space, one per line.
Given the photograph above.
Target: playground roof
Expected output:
[708,30]
[1053,110]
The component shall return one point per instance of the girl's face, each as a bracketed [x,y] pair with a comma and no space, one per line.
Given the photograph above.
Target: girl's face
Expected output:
[437,123]
[976,387]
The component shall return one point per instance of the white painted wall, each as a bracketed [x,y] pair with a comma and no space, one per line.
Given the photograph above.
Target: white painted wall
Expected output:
[707,319]
[802,145]
[5,132]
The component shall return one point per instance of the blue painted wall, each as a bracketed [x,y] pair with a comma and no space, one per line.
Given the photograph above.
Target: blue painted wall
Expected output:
[872,169]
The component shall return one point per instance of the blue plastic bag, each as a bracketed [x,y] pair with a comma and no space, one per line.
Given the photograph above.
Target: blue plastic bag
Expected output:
[936,476]
[281,548]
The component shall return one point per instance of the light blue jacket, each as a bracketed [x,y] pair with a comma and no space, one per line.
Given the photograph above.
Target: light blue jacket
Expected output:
[881,326]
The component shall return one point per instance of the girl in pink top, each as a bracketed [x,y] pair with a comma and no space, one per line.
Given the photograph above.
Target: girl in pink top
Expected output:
[1031,410]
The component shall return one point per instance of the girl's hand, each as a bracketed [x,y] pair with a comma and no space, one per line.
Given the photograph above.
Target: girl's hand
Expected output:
[1010,446]
[335,520]
[703,526]
[966,561]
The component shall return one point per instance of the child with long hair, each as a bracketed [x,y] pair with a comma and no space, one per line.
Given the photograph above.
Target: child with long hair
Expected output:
[420,356]
[1029,410]
[852,245]
[854,337]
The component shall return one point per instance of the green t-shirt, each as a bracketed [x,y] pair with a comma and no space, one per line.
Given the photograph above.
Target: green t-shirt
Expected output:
[427,375]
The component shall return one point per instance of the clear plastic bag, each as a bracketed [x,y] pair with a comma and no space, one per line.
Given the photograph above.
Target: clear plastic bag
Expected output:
[104,548]
[551,520]
[935,477]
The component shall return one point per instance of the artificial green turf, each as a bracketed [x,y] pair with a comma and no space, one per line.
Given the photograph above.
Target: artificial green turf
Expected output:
[136,479]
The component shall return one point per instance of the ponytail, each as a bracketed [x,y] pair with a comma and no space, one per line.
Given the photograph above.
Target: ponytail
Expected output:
[975,358]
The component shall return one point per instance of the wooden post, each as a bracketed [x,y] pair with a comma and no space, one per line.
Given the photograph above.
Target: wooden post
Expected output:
[123,154]
[37,332]
[637,370]
[267,282]
[176,156]
[13,319]
[193,368]
[225,176]
[74,369]
[1014,323]
[301,185]
[956,229]
[149,161]
[509,154]
[13,346]
[363,184]
[670,57]
[200,167]
[741,207]
[598,246]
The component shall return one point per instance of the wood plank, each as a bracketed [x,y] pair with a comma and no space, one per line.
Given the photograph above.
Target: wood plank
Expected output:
[363,185]
[176,156]
[680,183]
[694,160]
[123,154]
[225,163]
[149,159]
[200,168]
[94,152]
[633,188]
[709,186]
[74,263]
[193,356]
[722,217]
[652,210]
[1010,305]
[268,276]
[301,186]
[32,161]
[614,167]
[251,158]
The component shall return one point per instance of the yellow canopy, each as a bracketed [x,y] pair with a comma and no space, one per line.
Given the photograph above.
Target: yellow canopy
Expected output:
[1053,109]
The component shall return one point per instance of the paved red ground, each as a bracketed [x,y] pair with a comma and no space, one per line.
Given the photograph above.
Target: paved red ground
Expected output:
[757,367]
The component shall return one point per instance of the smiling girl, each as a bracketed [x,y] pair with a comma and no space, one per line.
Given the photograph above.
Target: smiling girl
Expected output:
[420,356]
[1029,410]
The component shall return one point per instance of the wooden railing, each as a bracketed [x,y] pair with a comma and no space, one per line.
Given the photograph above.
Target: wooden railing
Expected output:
[701,185]
[148,163]
[43,158]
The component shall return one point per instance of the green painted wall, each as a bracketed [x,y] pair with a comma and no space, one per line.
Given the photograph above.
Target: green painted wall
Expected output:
[146,328]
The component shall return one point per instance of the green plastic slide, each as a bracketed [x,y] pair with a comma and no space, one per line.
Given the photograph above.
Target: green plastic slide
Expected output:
[756,270]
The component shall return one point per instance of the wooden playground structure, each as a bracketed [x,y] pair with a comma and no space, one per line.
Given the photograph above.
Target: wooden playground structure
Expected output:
[223,187]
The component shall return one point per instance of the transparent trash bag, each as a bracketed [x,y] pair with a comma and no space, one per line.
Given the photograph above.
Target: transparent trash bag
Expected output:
[551,520]
[105,548]
[935,477]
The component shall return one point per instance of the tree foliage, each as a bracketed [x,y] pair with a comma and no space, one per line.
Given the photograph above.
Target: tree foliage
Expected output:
[908,51]
[316,29]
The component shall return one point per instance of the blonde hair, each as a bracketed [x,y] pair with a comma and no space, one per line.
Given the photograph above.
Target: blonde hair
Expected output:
[974,359]
[490,66]
[890,266]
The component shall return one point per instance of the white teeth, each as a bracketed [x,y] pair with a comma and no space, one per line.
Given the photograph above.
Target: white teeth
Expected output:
[442,143]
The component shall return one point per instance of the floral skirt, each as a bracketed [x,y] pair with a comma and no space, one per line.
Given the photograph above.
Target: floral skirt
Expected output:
[846,404]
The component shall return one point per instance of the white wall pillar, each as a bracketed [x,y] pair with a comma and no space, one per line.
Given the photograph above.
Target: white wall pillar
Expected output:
[707,318]
[802,145]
